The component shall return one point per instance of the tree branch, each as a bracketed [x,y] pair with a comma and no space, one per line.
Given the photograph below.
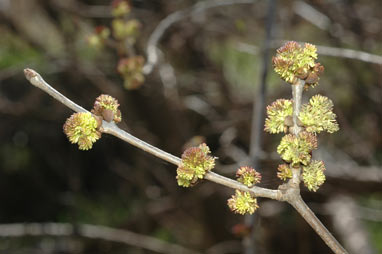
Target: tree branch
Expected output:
[322,50]
[152,45]
[288,192]
[93,232]
[110,128]
[303,209]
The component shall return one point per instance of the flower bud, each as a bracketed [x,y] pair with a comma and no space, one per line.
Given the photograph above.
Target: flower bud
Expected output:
[120,8]
[248,176]
[131,70]
[98,38]
[107,107]
[125,29]
[285,172]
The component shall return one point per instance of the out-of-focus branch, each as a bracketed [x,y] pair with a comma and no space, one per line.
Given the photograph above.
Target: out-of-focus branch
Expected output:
[92,232]
[310,14]
[152,45]
[257,125]
[225,247]
[345,212]
[81,9]
[322,50]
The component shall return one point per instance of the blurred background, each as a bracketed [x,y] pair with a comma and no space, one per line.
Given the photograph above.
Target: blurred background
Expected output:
[208,81]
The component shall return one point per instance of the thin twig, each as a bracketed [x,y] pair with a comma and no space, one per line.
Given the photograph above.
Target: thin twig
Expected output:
[311,14]
[292,193]
[297,90]
[304,210]
[152,45]
[114,130]
[92,232]
[322,50]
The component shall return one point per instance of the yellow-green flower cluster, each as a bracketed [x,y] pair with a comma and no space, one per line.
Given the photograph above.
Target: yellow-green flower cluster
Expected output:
[313,175]
[107,107]
[98,38]
[248,176]
[131,71]
[242,202]
[196,162]
[296,150]
[318,115]
[276,115]
[125,29]
[82,128]
[292,62]
[285,172]
[120,8]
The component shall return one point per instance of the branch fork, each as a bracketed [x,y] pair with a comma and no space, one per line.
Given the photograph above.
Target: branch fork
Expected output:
[289,192]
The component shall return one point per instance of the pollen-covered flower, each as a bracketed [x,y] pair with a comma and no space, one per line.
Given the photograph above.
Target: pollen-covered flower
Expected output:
[313,175]
[242,202]
[297,150]
[276,115]
[293,62]
[131,70]
[196,162]
[107,107]
[285,172]
[120,8]
[248,176]
[318,115]
[82,128]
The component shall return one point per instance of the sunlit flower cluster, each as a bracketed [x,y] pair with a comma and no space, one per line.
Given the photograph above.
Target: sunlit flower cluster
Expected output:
[296,150]
[82,128]
[196,162]
[317,115]
[293,62]
[313,175]
[248,176]
[276,115]
[242,203]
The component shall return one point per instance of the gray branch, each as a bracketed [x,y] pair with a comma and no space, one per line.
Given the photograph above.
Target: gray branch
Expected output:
[92,232]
